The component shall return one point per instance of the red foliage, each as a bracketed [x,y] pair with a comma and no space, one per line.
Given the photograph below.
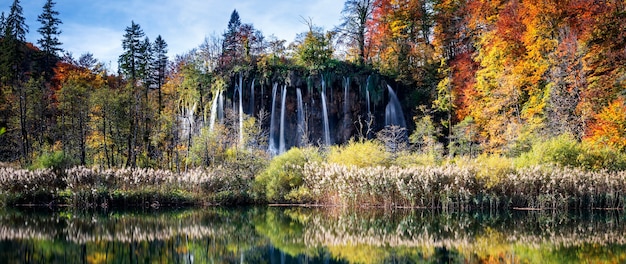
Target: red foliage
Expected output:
[463,70]
[510,27]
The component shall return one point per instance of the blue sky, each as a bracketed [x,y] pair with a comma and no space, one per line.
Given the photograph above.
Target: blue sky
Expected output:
[97,26]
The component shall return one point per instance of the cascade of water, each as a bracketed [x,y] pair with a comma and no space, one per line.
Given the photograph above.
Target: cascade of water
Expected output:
[369,112]
[252,97]
[367,97]
[281,142]
[214,111]
[241,143]
[220,107]
[346,108]
[325,116]
[272,145]
[300,117]
[346,97]
[393,112]
[233,101]
[188,120]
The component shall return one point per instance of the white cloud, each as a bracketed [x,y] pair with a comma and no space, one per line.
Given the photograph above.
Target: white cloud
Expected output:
[104,43]
[97,26]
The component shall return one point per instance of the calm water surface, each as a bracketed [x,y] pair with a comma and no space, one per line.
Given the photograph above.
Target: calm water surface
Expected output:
[304,235]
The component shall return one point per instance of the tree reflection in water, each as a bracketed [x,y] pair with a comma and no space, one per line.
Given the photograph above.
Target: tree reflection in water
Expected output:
[305,235]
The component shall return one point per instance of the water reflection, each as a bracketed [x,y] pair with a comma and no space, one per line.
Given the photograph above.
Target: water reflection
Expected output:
[304,235]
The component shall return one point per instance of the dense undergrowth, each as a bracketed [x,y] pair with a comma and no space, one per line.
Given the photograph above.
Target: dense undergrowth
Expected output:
[560,173]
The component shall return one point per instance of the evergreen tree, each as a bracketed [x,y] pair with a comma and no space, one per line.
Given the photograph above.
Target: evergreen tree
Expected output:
[16,23]
[49,31]
[87,61]
[241,43]
[146,60]
[132,44]
[11,70]
[129,63]
[144,64]
[231,39]
[159,66]
[14,35]
[2,24]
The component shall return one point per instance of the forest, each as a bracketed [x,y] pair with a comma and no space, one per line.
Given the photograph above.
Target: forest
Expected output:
[420,81]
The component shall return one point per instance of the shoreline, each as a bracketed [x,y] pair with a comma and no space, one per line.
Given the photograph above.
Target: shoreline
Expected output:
[444,187]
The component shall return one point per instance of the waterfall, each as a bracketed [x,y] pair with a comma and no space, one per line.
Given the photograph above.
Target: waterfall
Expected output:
[393,112]
[252,97]
[325,116]
[272,145]
[300,117]
[346,108]
[188,120]
[281,142]
[346,96]
[241,143]
[368,101]
[220,107]
[214,110]
[367,95]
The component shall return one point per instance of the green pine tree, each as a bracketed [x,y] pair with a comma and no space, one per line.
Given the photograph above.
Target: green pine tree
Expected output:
[49,31]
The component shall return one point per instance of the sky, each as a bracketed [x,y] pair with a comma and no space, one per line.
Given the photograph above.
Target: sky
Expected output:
[97,26]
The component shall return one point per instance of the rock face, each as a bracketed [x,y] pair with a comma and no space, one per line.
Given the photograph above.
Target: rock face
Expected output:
[321,110]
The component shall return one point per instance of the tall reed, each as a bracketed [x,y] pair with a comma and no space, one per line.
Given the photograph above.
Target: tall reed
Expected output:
[462,187]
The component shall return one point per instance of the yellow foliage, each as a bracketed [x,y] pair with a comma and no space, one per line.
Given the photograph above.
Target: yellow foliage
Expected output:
[610,127]
[361,154]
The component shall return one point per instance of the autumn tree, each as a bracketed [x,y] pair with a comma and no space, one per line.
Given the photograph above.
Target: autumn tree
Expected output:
[356,15]
[313,48]
[603,60]
[566,81]
[400,37]
[610,126]
[241,43]
[74,105]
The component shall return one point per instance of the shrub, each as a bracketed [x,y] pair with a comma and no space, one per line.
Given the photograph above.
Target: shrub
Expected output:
[56,160]
[282,179]
[595,158]
[368,153]
[563,150]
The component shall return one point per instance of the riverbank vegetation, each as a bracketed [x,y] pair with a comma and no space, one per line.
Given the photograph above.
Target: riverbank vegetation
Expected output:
[556,174]
[512,105]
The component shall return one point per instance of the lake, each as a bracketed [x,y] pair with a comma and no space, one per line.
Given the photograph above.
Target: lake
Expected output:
[311,235]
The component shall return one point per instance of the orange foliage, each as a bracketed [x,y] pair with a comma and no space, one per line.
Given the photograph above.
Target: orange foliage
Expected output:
[61,73]
[379,27]
[463,81]
[609,129]
[510,28]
